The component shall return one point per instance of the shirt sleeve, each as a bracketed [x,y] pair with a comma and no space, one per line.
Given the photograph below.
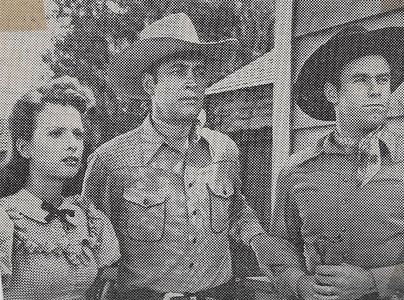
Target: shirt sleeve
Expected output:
[286,224]
[109,248]
[247,224]
[95,184]
[6,241]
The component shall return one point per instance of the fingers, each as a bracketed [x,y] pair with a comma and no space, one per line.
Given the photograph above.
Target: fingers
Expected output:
[326,297]
[329,270]
[330,280]
[325,289]
[323,292]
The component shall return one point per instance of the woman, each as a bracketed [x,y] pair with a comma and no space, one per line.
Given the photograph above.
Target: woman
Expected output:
[58,247]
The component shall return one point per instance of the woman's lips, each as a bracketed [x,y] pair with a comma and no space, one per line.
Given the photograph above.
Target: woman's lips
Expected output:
[71,161]
[380,106]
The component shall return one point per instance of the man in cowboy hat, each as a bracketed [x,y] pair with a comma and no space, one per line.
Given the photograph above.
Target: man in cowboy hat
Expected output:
[340,202]
[172,186]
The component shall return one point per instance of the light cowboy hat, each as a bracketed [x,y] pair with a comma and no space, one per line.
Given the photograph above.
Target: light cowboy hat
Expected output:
[170,35]
[327,61]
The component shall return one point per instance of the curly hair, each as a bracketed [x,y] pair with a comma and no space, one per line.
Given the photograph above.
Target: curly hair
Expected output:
[23,121]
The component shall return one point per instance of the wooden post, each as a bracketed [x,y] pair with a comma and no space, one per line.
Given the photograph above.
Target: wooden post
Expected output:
[281,115]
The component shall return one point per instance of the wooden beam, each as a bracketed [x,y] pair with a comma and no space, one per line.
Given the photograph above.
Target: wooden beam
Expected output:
[281,116]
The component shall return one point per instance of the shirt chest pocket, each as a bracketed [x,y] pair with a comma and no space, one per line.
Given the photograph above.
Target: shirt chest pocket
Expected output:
[144,214]
[220,188]
[318,197]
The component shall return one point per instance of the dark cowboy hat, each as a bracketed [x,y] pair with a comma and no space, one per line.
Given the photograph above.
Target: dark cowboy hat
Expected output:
[172,34]
[328,60]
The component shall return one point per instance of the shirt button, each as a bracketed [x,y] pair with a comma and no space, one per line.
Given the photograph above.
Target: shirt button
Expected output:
[191,265]
[194,240]
[195,212]
[190,184]
[146,201]
[343,229]
[167,198]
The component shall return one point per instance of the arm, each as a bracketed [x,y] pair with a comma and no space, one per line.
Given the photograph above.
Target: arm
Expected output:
[272,252]
[6,242]
[286,225]
[95,184]
[107,253]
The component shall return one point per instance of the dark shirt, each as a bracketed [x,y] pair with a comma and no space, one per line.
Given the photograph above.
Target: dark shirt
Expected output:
[331,219]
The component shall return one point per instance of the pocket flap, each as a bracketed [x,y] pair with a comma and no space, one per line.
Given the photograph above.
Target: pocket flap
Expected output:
[219,178]
[223,189]
[143,198]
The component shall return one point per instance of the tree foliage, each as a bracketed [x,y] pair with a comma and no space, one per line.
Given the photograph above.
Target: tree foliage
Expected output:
[95,29]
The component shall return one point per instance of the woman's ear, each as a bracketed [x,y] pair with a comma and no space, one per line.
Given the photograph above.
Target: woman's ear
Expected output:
[148,84]
[331,93]
[23,147]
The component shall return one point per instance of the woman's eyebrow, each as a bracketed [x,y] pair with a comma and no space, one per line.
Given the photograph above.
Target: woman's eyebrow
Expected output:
[177,65]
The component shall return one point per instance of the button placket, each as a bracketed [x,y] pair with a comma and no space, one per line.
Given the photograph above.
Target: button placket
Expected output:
[189,179]
[348,190]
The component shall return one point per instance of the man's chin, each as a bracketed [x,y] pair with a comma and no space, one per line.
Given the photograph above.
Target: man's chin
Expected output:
[189,114]
[372,123]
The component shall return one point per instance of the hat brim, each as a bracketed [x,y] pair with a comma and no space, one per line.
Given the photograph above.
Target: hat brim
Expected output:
[329,59]
[126,68]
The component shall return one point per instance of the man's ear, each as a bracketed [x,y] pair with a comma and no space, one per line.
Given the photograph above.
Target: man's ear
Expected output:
[148,84]
[23,148]
[331,93]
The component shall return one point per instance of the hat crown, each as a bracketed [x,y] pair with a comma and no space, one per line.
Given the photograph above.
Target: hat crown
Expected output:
[177,26]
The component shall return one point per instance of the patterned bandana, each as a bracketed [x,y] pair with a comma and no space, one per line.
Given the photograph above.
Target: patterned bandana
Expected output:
[367,151]
[369,157]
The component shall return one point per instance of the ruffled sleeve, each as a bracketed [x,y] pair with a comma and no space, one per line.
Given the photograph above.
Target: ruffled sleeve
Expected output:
[108,245]
[6,242]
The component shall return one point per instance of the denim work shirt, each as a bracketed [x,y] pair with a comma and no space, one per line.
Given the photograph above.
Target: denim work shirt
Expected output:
[173,207]
[331,219]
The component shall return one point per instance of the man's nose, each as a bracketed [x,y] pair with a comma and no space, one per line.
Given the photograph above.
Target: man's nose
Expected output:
[374,88]
[190,79]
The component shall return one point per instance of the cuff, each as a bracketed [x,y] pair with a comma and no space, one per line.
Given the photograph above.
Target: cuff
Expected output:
[249,230]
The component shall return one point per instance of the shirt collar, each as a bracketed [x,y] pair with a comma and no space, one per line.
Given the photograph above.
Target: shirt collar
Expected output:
[394,143]
[29,205]
[334,143]
[154,140]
